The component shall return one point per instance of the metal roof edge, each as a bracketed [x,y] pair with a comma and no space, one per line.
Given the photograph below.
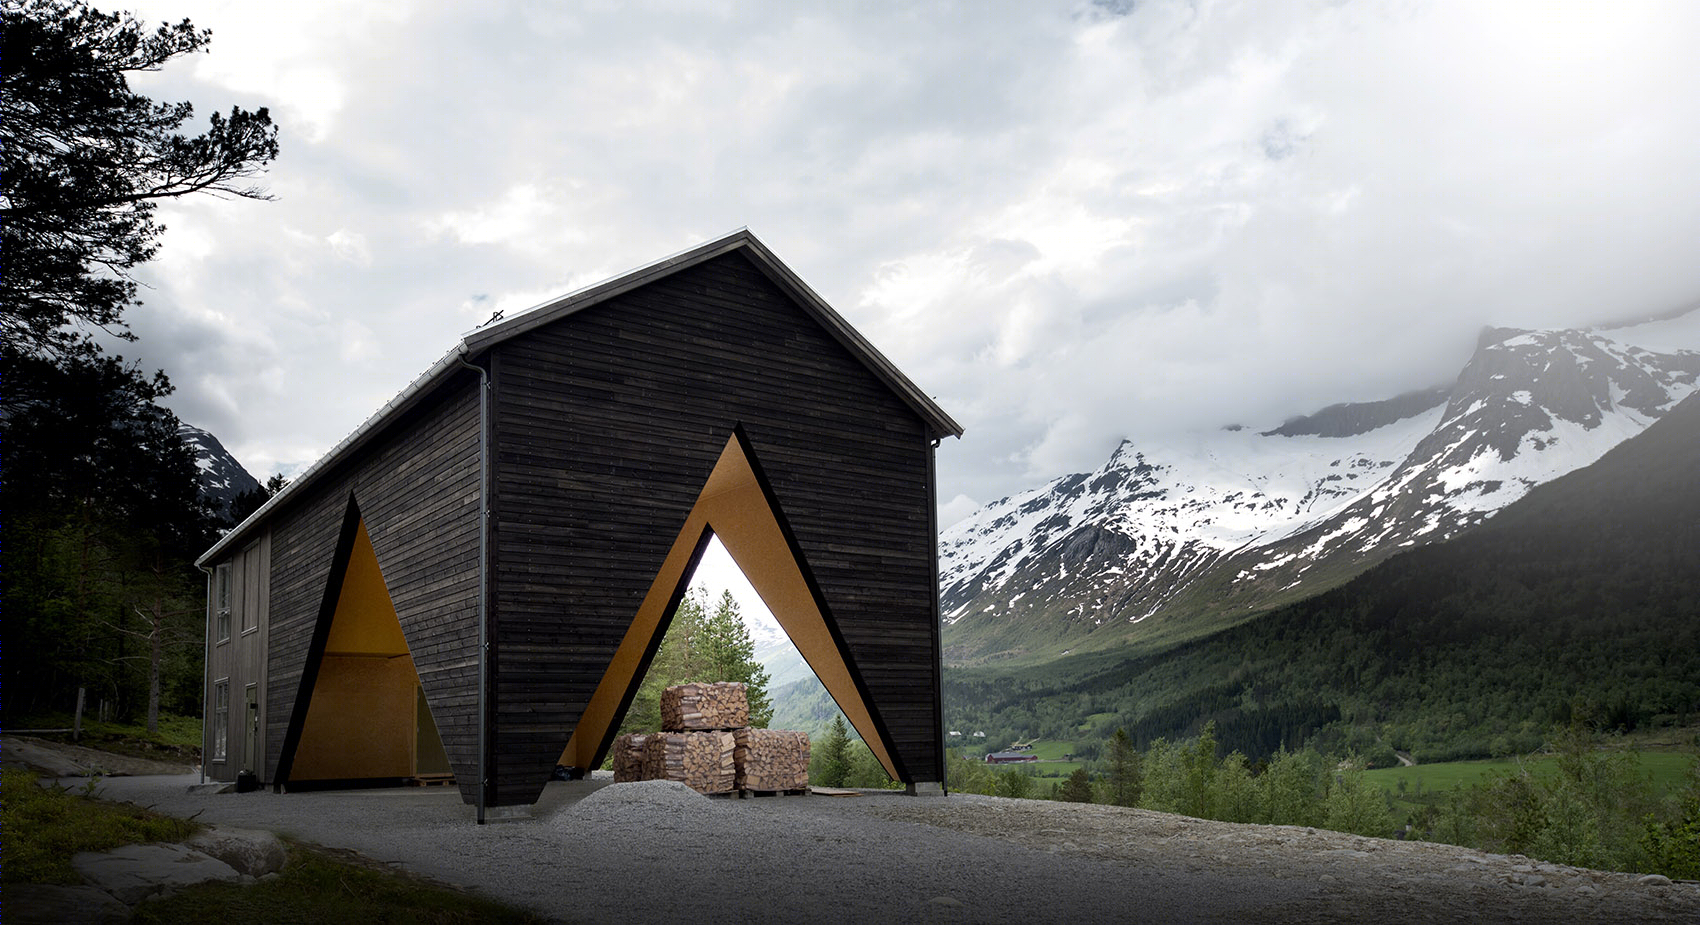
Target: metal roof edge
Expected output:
[407,398]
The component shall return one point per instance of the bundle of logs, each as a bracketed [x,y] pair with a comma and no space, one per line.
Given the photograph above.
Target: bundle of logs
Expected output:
[707,744]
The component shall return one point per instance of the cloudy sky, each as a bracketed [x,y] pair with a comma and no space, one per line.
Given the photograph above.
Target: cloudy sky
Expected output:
[1069,222]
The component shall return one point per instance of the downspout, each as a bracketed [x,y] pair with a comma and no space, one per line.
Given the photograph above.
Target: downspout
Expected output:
[206,670]
[483,572]
[938,642]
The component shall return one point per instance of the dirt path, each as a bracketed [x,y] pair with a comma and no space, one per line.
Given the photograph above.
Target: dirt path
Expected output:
[62,760]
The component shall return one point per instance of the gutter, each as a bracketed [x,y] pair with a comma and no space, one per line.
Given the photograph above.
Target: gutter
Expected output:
[483,571]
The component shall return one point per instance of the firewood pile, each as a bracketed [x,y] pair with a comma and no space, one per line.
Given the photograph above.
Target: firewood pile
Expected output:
[692,707]
[630,752]
[707,744]
[702,761]
[771,759]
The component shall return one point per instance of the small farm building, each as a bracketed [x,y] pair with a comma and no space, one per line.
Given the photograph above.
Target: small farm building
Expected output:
[474,581]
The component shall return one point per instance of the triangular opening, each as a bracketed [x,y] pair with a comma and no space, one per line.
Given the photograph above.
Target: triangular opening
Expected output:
[734,507]
[795,693]
[367,718]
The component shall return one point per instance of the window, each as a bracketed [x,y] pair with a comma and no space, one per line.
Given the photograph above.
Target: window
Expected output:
[221,720]
[221,601]
[251,589]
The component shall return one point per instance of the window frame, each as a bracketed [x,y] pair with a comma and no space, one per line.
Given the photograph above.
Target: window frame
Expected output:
[221,720]
[221,600]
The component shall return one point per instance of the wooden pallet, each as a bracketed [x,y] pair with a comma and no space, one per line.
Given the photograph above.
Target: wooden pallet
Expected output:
[431,780]
[752,794]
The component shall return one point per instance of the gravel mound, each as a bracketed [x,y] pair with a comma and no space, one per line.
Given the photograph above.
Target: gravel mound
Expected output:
[638,801]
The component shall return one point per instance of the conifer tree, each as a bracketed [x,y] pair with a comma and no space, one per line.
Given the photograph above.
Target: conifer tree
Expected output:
[1126,777]
[835,754]
[1077,789]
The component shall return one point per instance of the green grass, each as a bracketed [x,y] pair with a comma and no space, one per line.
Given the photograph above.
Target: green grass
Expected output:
[1666,769]
[177,740]
[315,888]
[45,826]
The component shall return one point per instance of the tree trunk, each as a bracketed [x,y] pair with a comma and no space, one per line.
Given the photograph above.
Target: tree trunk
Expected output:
[156,655]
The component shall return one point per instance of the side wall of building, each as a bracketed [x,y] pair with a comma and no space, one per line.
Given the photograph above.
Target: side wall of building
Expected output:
[606,426]
[233,734]
[416,487]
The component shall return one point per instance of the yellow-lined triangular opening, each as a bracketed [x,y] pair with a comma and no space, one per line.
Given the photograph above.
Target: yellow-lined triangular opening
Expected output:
[366,717]
[734,507]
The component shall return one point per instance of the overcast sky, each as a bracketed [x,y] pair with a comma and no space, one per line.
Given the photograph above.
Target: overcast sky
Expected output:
[1069,222]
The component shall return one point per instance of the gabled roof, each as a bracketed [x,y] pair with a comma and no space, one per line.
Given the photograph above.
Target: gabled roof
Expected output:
[482,339]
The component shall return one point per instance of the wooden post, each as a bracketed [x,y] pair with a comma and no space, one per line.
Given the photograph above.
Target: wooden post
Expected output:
[77,724]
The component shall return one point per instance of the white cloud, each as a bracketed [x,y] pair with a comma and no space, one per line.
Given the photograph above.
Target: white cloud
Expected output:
[1067,225]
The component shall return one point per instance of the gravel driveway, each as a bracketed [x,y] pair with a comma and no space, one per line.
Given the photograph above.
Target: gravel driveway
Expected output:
[655,852]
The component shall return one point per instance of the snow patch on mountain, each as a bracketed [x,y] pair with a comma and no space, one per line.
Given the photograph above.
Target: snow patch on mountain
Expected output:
[1261,510]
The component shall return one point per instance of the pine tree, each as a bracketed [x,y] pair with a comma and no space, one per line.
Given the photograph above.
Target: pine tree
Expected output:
[84,161]
[1077,789]
[835,754]
[1126,776]
[729,654]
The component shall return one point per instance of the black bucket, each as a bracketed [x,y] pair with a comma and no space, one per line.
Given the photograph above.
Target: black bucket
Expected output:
[246,782]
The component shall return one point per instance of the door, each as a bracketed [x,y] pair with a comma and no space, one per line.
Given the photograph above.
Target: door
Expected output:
[251,730]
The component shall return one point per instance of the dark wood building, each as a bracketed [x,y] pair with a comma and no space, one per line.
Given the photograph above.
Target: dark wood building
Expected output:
[474,581]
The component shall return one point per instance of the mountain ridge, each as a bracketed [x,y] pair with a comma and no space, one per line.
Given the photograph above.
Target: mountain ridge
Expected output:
[1166,542]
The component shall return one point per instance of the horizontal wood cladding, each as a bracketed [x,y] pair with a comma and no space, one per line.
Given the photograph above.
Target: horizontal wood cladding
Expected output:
[417,489]
[606,425]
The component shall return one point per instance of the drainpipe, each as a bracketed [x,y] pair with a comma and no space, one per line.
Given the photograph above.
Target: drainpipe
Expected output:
[483,571]
[206,670]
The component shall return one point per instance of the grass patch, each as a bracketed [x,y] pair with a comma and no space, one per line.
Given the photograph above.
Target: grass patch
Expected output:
[315,887]
[45,826]
[1425,783]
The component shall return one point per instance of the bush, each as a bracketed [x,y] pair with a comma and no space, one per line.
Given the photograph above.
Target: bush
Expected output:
[1672,847]
[1013,784]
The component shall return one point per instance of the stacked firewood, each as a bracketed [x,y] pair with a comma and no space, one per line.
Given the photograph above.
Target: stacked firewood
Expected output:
[629,754]
[707,744]
[702,761]
[690,707]
[771,759]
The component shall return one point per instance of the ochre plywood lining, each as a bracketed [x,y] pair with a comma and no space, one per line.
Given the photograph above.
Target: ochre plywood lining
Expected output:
[362,721]
[733,506]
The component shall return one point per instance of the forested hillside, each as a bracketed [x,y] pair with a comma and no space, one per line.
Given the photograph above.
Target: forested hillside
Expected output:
[1584,595]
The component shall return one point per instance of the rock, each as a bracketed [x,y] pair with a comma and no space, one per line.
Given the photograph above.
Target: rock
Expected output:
[41,904]
[1654,880]
[135,872]
[249,851]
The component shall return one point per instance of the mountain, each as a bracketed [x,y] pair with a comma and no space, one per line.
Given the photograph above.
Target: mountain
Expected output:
[1165,543]
[1579,600]
[222,477]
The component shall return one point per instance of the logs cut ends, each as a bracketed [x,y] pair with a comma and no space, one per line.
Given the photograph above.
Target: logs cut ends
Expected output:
[708,745]
[692,707]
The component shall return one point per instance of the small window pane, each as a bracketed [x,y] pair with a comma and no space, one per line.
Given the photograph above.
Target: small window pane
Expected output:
[221,720]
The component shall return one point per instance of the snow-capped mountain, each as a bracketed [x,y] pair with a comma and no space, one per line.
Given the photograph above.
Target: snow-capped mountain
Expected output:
[222,477]
[1167,541]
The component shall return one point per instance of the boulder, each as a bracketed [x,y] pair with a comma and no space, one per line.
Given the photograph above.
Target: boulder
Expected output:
[249,851]
[135,872]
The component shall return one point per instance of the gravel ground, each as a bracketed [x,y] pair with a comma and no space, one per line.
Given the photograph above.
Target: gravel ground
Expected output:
[656,852]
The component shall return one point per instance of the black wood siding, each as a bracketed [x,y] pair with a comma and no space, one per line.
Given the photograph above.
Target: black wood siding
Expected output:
[606,425]
[417,490]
